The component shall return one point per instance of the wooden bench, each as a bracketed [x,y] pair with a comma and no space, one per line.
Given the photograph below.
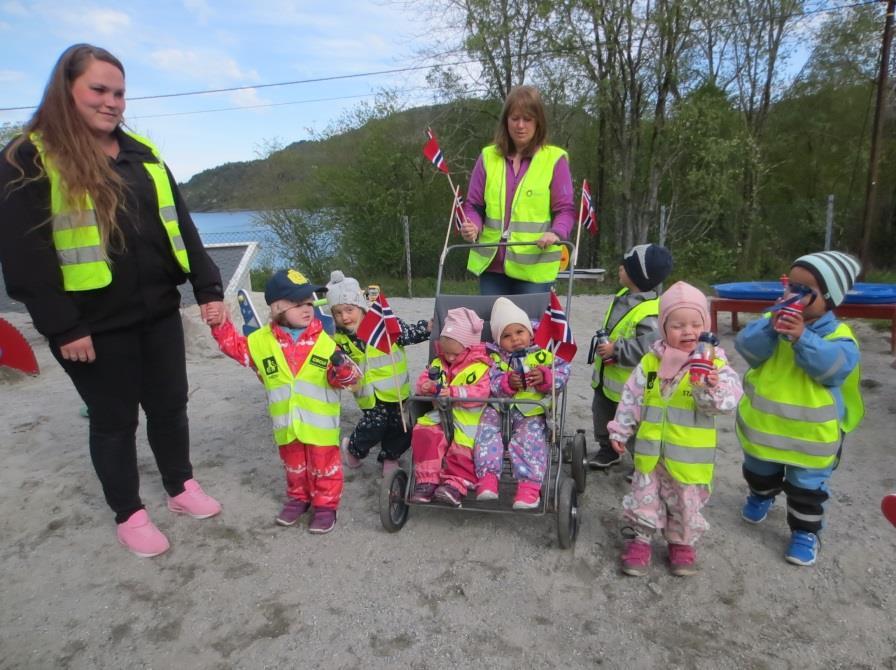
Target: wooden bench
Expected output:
[887,312]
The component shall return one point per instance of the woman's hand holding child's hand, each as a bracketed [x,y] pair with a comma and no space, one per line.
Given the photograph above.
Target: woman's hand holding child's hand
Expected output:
[213,313]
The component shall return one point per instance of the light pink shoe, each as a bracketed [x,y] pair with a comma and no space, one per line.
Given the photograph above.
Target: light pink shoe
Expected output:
[141,537]
[351,461]
[194,501]
[528,495]
[487,487]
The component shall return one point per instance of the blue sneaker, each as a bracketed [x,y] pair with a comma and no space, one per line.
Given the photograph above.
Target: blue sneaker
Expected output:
[803,549]
[756,508]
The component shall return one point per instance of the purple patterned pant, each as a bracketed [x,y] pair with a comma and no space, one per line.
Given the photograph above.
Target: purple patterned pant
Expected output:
[528,445]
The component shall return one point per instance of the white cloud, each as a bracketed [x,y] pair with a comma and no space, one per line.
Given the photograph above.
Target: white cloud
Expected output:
[204,65]
[90,21]
[248,97]
[200,8]
[11,76]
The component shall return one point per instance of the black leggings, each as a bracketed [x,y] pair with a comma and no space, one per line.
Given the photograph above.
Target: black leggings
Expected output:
[143,365]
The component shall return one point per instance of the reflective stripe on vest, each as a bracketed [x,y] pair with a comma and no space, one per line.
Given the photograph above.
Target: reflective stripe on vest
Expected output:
[787,417]
[530,217]
[534,359]
[302,407]
[76,235]
[673,428]
[614,376]
[466,419]
[381,378]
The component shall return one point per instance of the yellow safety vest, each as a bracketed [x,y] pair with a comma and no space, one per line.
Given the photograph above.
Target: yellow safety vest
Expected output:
[303,407]
[466,419]
[382,379]
[76,235]
[530,217]
[673,428]
[532,360]
[787,417]
[613,377]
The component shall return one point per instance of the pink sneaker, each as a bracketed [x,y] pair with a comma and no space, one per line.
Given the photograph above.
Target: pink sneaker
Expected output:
[194,501]
[322,521]
[487,488]
[636,558]
[141,537]
[351,461]
[528,495]
[682,560]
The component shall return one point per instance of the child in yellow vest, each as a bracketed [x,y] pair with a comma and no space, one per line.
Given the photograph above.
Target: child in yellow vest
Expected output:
[632,327]
[672,421]
[802,398]
[301,367]
[385,380]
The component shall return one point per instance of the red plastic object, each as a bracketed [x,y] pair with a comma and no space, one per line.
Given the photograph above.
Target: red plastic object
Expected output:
[888,507]
[15,352]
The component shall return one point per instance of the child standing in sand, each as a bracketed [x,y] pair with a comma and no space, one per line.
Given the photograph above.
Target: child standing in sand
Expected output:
[301,367]
[673,423]
[385,384]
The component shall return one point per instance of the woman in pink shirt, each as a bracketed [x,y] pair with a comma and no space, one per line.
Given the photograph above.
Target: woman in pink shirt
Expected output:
[520,143]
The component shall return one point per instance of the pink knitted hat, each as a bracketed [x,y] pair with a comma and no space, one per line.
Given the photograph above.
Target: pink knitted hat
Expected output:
[681,294]
[462,324]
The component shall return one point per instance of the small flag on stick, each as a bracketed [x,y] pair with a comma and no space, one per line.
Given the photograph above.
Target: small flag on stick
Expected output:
[433,152]
[379,328]
[553,332]
[587,212]
[459,216]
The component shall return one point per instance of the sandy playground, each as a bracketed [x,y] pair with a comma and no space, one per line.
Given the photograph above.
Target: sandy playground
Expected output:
[451,589]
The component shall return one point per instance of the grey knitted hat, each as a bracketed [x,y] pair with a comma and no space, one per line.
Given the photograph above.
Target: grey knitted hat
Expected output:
[344,290]
[835,271]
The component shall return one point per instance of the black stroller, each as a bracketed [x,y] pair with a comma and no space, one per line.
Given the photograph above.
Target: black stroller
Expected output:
[559,492]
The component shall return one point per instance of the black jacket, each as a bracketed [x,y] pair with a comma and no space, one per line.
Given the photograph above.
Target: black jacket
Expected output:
[145,275]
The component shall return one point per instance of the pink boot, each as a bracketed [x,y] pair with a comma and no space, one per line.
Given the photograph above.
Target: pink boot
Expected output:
[141,537]
[194,501]
[682,560]
[528,495]
[636,558]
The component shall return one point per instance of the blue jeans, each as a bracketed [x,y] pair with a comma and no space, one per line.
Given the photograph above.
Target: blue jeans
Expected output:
[812,479]
[498,283]
[806,490]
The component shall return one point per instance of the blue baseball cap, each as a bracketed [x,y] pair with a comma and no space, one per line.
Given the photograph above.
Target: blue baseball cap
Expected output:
[289,285]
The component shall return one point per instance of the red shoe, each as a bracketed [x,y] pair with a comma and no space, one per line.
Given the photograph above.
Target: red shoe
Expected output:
[888,507]
[682,560]
[528,495]
[194,501]
[636,558]
[487,488]
[141,537]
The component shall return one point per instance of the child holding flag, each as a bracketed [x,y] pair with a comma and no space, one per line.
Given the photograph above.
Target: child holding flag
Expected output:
[461,372]
[300,366]
[385,383]
[524,372]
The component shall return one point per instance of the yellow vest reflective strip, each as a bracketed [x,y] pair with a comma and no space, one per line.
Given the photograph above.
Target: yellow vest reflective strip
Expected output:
[533,360]
[466,419]
[673,428]
[380,375]
[614,376]
[76,235]
[302,407]
[530,217]
[787,417]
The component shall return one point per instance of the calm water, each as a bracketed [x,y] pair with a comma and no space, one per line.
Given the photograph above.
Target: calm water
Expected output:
[223,227]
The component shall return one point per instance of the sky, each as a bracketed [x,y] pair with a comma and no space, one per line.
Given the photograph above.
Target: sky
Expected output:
[173,46]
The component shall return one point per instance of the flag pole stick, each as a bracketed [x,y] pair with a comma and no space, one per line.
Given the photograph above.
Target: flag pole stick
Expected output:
[450,219]
[575,254]
[404,425]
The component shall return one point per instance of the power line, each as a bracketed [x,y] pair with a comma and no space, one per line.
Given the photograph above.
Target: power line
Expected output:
[412,68]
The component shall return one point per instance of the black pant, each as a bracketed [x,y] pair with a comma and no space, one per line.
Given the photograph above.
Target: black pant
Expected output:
[143,365]
[380,424]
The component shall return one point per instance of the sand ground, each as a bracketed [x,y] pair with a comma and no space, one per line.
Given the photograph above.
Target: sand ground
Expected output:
[452,588]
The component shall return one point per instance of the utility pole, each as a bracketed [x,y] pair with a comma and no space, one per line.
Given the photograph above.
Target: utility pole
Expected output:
[871,190]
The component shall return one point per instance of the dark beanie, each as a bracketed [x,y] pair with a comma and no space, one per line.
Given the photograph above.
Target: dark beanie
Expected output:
[647,265]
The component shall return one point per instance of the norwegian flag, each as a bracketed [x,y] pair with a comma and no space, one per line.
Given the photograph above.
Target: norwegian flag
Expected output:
[586,209]
[379,328]
[459,217]
[553,332]
[432,151]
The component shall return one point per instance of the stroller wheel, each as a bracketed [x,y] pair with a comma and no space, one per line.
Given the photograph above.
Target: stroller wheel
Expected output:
[579,460]
[567,514]
[393,508]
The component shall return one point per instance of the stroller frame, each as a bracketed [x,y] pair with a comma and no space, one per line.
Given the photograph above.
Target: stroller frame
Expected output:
[559,493]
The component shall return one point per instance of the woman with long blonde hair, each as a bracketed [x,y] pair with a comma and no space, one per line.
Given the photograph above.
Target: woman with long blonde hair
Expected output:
[95,239]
